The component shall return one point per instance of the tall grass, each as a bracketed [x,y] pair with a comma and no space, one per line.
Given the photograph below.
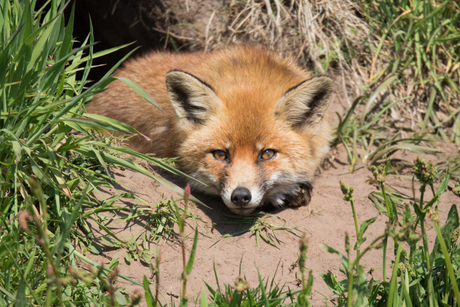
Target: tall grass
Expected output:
[51,164]
[418,44]
[413,84]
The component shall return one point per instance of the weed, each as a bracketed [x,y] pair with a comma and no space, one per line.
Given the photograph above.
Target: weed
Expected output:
[260,228]
[424,278]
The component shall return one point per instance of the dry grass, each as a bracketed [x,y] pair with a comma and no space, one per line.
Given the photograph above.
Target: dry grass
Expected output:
[316,33]
[340,34]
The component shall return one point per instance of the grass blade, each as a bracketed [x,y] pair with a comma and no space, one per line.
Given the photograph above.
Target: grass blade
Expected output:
[140,91]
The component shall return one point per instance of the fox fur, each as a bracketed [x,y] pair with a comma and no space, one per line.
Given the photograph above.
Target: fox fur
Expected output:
[249,124]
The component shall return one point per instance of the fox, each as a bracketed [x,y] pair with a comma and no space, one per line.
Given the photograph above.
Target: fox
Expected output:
[250,124]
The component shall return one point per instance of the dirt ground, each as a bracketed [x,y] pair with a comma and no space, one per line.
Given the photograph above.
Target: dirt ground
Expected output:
[325,221]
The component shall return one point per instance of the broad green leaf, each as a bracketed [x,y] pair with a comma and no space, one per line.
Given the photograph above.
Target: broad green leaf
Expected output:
[148,294]
[331,249]
[442,187]
[113,263]
[451,224]
[331,281]
[203,300]
[363,227]
[21,295]
[192,253]
[113,125]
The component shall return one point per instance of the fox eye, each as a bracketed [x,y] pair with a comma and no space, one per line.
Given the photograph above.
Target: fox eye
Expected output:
[220,155]
[267,154]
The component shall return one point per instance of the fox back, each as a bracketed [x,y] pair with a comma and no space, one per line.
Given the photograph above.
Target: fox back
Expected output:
[251,125]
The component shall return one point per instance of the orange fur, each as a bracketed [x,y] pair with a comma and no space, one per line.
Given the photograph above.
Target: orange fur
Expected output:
[241,101]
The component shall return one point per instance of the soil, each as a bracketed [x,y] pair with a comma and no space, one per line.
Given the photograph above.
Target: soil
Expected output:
[325,221]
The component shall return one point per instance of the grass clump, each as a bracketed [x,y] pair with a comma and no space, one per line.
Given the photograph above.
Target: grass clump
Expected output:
[411,95]
[261,227]
[417,49]
[419,277]
[159,228]
[52,166]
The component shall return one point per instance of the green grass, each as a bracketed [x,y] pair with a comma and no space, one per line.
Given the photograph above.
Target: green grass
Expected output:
[418,44]
[420,277]
[53,165]
[416,64]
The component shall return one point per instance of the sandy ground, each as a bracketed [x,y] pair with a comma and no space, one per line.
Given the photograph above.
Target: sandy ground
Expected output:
[324,221]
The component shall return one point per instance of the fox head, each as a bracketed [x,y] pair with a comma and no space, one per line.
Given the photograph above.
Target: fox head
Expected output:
[250,143]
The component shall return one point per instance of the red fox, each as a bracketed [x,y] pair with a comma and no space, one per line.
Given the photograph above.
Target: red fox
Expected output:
[249,124]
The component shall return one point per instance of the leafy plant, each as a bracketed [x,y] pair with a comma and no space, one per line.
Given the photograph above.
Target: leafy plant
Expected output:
[424,278]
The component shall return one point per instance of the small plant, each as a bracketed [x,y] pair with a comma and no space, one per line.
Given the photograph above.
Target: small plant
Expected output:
[260,228]
[159,228]
[302,299]
[355,290]
[424,278]
[187,267]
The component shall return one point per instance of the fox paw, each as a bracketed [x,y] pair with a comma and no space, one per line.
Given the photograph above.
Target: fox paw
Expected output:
[301,198]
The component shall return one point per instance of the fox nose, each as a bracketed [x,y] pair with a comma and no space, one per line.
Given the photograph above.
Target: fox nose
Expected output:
[241,196]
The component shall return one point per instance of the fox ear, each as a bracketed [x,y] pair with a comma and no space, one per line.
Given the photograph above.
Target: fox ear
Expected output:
[305,104]
[192,99]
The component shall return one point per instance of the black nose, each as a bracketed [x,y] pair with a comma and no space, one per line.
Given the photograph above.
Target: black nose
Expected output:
[241,196]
